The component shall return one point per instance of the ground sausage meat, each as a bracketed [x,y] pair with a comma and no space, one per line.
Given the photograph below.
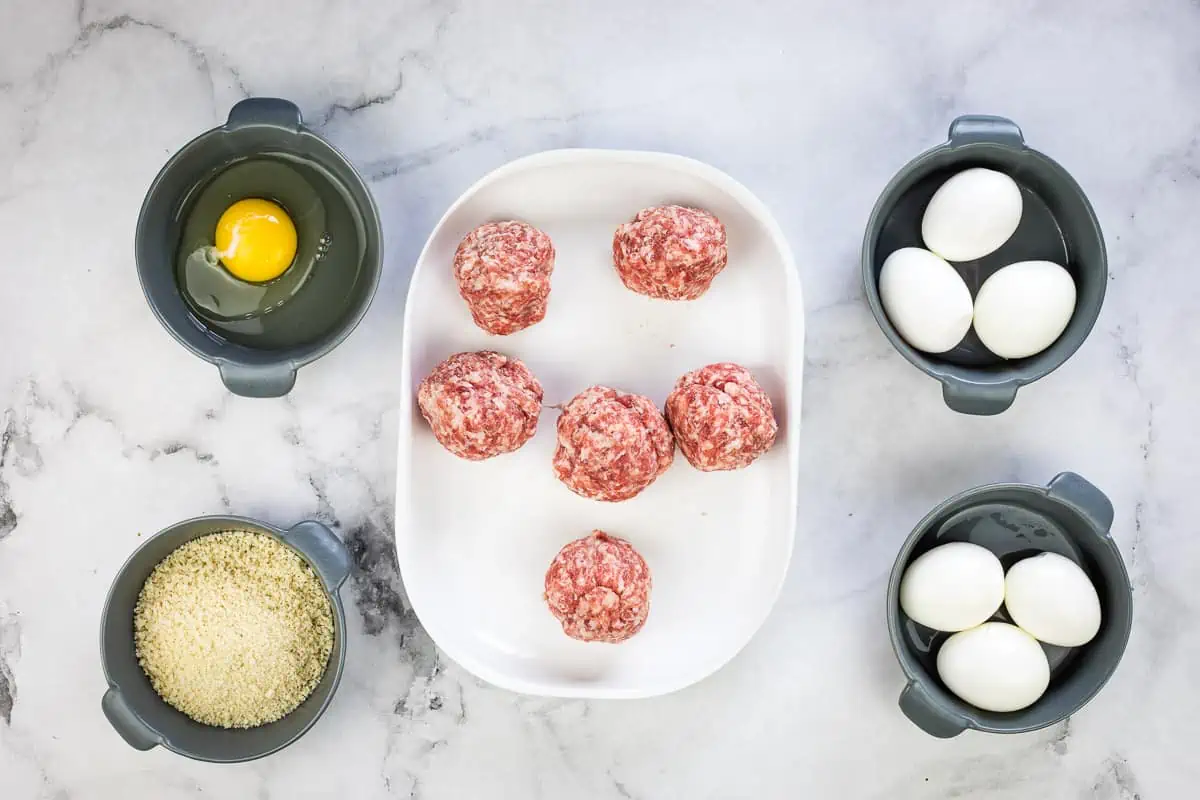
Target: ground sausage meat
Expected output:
[598,587]
[481,404]
[721,417]
[611,444]
[670,252]
[503,272]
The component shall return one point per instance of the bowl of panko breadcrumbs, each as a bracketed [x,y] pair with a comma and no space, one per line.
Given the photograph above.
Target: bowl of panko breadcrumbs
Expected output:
[223,638]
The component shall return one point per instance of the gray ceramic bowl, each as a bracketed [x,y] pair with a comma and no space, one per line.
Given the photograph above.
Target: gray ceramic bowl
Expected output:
[255,126]
[1057,224]
[139,714]
[1070,517]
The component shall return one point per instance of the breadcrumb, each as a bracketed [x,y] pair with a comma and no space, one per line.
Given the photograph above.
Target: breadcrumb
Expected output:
[233,629]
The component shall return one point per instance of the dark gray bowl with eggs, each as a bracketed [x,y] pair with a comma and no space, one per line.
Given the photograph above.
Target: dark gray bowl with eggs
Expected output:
[263,151]
[1070,517]
[1057,224]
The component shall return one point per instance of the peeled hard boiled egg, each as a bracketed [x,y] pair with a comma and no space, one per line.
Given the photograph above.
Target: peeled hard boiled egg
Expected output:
[1021,309]
[996,667]
[1051,598]
[952,587]
[925,298]
[971,214]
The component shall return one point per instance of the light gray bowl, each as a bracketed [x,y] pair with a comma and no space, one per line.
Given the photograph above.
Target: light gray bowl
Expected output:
[136,711]
[1057,224]
[1070,517]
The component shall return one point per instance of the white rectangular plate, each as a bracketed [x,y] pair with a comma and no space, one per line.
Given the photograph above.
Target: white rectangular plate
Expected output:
[474,539]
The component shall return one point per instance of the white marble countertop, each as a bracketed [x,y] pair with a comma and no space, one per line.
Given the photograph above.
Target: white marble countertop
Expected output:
[110,429]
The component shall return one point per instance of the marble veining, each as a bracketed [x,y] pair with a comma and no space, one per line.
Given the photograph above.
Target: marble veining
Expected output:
[110,431]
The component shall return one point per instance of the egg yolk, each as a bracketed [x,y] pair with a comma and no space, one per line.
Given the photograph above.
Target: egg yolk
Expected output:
[255,240]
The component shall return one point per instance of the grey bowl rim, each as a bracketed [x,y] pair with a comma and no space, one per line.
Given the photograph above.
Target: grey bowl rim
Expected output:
[893,610]
[296,357]
[1036,366]
[339,619]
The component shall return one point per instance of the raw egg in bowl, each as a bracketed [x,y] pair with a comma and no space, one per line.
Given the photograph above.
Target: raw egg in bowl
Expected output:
[255,240]
[259,247]
[242,260]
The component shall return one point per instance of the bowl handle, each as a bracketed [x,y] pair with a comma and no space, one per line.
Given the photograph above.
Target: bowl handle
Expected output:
[981,399]
[1081,495]
[324,549]
[136,733]
[919,708]
[264,111]
[261,380]
[985,128]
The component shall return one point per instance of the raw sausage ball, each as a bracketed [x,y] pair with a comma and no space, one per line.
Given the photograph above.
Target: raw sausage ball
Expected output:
[670,252]
[481,404]
[503,272]
[611,444]
[721,417]
[598,587]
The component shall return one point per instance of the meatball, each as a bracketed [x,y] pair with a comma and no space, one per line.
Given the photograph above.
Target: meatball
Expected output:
[598,587]
[611,444]
[721,417]
[670,252]
[503,272]
[481,404]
